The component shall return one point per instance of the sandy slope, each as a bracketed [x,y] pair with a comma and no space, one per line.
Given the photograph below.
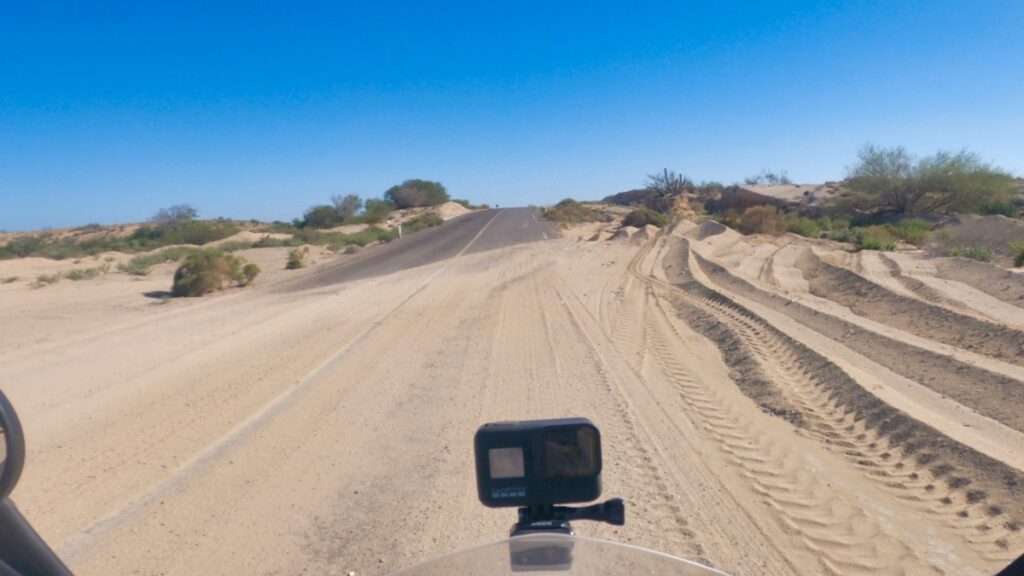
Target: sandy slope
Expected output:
[329,430]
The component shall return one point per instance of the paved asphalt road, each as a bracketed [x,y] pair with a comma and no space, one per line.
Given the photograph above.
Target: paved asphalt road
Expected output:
[473,232]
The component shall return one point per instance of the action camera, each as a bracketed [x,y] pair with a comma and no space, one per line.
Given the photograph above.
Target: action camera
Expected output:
[539,462]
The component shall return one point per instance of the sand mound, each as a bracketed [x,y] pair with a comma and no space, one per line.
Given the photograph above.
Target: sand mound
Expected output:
[247,236]
[450,210]
[624,233]
[349,228]
[707,229]
[647,232]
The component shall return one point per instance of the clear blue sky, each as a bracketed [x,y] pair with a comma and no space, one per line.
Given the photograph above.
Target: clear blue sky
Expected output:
[259,111]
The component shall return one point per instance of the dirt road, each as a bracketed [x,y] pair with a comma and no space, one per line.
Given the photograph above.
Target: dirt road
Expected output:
[322,423]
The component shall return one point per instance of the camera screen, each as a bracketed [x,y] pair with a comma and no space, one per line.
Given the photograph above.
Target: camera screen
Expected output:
[506,462]
[569,453]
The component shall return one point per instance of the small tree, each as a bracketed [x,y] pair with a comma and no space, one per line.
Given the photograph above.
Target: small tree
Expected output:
[768,177]
[413,193]
[890,180]
[177,214]
[377,210]
[322,216]
[347,206]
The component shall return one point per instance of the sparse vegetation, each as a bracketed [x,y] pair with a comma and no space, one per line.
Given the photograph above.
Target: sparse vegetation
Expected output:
[569,212]
[140,265]
[87,273]
[206,271]
[874,238]
[9,280]
[979,253]
[47,279]
[643,216]
[768,177]
[422,222]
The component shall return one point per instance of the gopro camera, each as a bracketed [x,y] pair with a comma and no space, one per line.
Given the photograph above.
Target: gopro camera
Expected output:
[538,462]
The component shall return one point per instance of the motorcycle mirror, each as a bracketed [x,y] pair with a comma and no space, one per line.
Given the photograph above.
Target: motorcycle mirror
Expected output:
[13,448]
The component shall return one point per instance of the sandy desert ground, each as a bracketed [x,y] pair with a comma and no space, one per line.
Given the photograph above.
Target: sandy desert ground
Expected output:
[767,406]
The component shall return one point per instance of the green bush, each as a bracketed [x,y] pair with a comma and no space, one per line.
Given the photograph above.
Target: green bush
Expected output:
[911,230]
[416,192]
[376,211]
[762,220]
[206,271]
[803,226]
[1004,207]
[874,238]
[641,217]
[979,253]
[322,216]
[1018,253]
[297,259]
[249,273]
[21,247]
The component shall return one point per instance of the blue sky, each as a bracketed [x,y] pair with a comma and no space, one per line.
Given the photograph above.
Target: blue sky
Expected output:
[259,110]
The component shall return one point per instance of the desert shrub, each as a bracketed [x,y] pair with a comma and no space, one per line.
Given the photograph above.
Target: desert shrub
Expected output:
[235,246]
[569,211]
[21,247]
[804,226]
[187,232]
[874,238]
[979,253]
[641,217]
[47,279]
[1017,251]
[322,216]
[890,180]
[911,230]
[377,210]
[140,265]
[762,220]
[249,273]
[352,249]
[206,271]
[297,259]
[1003,207]
[422,222]
[9,280]
[416,192]
[729,217]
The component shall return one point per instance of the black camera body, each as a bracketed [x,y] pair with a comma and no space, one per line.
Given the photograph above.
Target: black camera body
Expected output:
[538,462]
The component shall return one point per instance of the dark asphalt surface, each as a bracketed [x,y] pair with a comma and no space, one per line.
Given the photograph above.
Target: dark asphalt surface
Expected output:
[474,232]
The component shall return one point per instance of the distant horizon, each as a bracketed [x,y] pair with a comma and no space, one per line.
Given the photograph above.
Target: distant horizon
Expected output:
[111,112]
